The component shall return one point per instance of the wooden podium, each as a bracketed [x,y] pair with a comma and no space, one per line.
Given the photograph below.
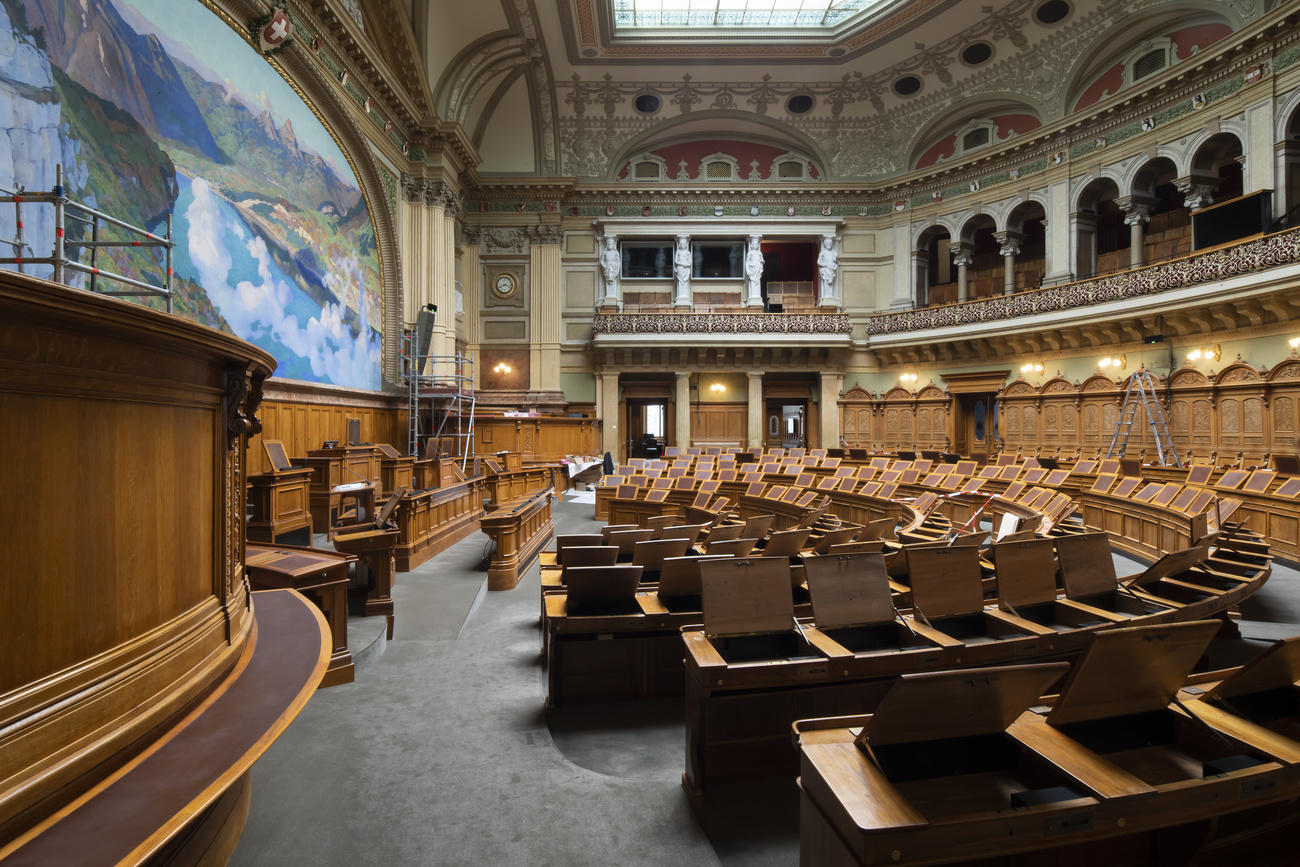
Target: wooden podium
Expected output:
[279,499]
[372,542]
[335,466]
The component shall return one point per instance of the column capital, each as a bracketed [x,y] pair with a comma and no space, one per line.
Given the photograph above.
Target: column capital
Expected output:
[962,254]
[1137,209]
[1197,189]
[1008,242]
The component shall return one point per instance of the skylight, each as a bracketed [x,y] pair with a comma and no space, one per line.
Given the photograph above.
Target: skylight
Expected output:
[702,14]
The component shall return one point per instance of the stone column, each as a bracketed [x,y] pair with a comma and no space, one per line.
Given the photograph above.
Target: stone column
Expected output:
[607,412]
[472,290]
[545,305]
[920,261]
[906,291]
[1009,247]
[961,258]
[682,398]
[682,271]
[830,409]
[754,271]
[1059,242]
[755,408]
[1197,190]
[1137,213]
[1083,231]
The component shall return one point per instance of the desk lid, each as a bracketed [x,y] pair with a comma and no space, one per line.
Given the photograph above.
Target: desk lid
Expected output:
[1026,572]
[1171,564]
[1131,670]
[849,590]
[746,596]
[1275,668]
[957,704]
[945,581]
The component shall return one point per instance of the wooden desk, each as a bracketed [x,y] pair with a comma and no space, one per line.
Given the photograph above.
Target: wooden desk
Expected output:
[339,466]
[281,504]
[396,473]
[321,576]
[520,528]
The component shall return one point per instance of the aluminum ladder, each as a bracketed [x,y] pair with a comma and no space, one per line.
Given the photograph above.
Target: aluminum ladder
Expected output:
[1141,391]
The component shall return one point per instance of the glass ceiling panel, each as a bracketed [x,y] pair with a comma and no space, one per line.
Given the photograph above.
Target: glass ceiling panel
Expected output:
[702,14]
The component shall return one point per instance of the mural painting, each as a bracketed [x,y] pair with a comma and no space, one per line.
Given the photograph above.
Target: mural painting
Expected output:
[157,107]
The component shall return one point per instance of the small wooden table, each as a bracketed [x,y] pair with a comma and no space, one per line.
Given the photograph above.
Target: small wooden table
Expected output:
[280,504]
[321,576]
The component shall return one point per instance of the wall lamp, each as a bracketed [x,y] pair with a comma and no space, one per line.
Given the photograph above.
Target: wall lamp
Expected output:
[908,377]
[1031,367]
[1204,353]
[717,388]
[501,367]
[1113,362]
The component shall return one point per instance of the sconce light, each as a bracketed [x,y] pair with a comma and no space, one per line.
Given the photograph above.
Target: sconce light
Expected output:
[907,377]
[1113,362]
[1031,367]
[1294,342]
[1204,353]
[501,367]
[717,388]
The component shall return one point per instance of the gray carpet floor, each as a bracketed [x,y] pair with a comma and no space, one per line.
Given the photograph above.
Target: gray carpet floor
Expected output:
[440,754]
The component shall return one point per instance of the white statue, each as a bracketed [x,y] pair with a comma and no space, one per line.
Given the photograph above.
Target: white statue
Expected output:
[754,267]
[682,263]
[827,265]
[611,263]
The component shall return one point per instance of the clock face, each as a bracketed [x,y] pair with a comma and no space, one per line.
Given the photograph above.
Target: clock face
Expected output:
[505,284]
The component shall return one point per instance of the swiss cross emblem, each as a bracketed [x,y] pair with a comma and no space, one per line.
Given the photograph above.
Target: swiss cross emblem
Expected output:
[276,32]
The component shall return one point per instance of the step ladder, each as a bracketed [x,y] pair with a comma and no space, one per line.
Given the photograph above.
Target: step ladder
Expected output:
[1141,391]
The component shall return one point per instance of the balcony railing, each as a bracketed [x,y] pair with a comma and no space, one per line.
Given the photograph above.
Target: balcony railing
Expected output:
[1257,254]
[722,323]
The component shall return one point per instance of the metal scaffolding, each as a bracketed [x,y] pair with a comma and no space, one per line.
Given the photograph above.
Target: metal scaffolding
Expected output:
[67,209]
[441,387]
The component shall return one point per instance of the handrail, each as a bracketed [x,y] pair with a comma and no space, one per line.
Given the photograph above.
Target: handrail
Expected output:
[1204,266]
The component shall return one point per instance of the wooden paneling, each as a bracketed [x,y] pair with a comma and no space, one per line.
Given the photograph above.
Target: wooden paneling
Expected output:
[545,439]
[124,526]
[304,416]
[719,424]
[520,528]
[1246,411]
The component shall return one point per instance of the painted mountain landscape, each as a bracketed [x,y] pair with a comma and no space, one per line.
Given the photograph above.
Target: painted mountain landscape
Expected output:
[157,108]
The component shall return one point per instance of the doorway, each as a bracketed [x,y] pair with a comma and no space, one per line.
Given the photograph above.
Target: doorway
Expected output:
[975,427]
[647,427]
[786,423]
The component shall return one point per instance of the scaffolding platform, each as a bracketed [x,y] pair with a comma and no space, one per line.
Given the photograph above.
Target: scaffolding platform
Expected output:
[440,402]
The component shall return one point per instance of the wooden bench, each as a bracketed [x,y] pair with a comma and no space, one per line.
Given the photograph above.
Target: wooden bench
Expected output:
[520,528]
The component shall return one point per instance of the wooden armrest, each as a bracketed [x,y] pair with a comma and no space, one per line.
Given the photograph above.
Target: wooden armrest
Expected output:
[1091,770]
[1244,730]
[942,639]
[826,645]
[548,558]
[1018,622]
[556,604]
[1098,613]
[650,603]
[895,587]
[703,651]
[1195,588]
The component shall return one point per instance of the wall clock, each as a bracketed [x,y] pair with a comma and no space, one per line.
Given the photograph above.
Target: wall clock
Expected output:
[505,285]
